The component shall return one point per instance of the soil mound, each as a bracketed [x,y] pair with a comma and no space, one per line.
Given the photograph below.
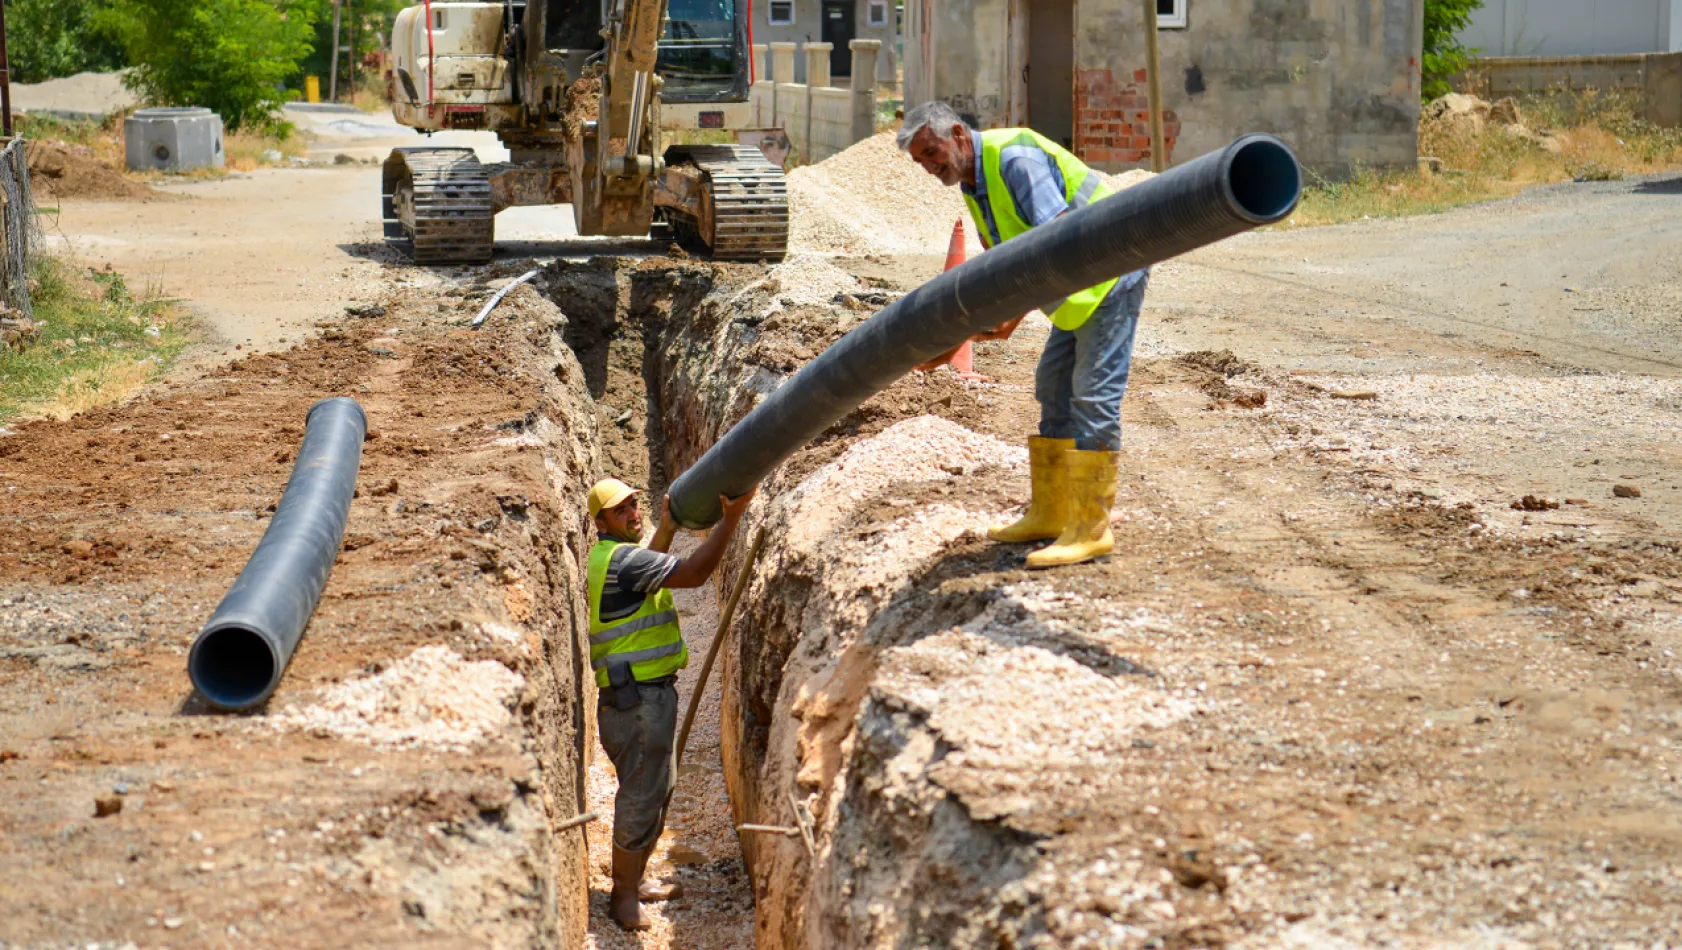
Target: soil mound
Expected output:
[60,171]
[873,199]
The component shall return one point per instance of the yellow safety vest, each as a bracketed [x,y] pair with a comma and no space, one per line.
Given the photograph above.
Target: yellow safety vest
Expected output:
[1080,186]
[648,640]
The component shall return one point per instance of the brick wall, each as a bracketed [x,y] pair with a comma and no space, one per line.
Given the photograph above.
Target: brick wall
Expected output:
[1112,119]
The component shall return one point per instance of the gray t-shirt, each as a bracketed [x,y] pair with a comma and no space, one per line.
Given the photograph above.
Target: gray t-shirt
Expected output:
[633,572]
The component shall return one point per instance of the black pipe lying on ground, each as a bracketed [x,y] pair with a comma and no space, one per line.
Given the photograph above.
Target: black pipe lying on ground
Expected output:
[239,656]
[1252,182]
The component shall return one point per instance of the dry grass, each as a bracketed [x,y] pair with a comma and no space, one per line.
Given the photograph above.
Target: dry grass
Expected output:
[249,150]
[1564,136]
[98,343]
[245,150]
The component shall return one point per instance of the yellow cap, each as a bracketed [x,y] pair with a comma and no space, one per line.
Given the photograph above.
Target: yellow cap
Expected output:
[609,492]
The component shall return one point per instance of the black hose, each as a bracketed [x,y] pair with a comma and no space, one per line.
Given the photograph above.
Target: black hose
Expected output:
[239,656]
[1254,181]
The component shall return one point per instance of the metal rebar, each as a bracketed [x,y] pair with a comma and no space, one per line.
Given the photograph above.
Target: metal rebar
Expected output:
[497,298]
[577,820]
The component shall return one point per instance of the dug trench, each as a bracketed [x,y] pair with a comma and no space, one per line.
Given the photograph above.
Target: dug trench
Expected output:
[1300,704]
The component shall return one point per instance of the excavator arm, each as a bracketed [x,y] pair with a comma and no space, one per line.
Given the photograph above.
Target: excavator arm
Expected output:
[581,118]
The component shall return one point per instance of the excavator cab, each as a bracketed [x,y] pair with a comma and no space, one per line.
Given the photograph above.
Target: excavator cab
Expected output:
[702,52]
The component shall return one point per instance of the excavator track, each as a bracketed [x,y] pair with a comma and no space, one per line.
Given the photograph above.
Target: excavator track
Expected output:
[749,200]
[438,202]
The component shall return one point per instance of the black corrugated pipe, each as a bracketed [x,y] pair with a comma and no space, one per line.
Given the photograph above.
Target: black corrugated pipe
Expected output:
[1252,182]
[240,654]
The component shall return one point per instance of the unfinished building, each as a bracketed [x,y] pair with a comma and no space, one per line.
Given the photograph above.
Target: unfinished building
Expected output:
[1340,82]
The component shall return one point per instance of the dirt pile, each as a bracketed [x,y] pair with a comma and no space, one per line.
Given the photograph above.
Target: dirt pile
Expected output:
[873,199]
[432,697]
[65,171]
[84,94]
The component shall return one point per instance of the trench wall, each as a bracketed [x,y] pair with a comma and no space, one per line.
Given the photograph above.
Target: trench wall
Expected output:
[872,694]
[546,605]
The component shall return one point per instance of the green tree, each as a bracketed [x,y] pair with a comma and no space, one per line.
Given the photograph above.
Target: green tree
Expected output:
[231,56]
[364,25]
[51,38]
[1445,57]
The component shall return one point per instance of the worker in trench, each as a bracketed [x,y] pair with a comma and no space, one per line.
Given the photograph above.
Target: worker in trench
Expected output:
[1013,180]
[636,650]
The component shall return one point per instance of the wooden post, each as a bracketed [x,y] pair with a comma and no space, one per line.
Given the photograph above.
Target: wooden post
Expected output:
[1153,67]
[350,53]
[5,79]
[333,69]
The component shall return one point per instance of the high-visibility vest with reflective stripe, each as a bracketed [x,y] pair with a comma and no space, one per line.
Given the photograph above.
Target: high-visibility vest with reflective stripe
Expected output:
[1081,186]
[649,640]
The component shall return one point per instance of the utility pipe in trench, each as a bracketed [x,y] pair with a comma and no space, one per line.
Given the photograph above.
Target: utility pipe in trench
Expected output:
[1252,182]
[239,656]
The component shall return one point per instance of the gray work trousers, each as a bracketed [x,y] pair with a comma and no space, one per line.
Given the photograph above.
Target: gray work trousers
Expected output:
[641,742]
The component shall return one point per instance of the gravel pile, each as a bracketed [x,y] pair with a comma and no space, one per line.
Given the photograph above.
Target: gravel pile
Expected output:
[953,679]
[809,279]
[873,199]
[432,697]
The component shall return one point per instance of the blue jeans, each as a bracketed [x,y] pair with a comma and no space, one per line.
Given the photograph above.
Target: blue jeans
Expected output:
[1083,373]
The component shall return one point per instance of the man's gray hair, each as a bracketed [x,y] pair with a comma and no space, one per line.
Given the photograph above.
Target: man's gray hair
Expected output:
[937,116]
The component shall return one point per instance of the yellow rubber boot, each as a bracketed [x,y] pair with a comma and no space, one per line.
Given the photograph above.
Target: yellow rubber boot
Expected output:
[1091,483]
[1049,505]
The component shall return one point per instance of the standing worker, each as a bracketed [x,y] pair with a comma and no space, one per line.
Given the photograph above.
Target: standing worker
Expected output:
[636,649]
[1013,180]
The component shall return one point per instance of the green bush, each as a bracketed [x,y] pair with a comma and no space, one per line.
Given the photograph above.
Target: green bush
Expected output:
[52,38]
[231,56]
[1444,56]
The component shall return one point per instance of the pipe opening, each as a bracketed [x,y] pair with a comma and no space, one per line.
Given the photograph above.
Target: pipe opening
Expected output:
[1265,180]
[232,667]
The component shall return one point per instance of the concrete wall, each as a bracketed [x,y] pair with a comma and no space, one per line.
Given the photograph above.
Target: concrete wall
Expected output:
[1337,79]
[960,51]
[1575,27]
[1656,77]
[808,28]
[821,120]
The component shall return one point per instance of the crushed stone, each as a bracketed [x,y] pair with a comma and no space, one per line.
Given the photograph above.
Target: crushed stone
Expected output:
[873,199]
[432,697]
[808,280]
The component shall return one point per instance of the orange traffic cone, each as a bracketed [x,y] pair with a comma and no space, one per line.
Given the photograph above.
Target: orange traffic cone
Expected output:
[964,359]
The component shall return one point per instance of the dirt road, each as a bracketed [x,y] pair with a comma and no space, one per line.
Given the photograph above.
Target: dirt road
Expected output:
[1414,714]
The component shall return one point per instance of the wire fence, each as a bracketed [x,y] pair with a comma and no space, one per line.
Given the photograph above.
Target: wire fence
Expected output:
[20,230]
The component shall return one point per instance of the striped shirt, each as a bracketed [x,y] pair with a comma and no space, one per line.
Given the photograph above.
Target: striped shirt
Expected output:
[633,572]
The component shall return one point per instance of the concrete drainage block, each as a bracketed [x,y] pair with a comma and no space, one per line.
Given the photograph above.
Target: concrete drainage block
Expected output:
[173,140]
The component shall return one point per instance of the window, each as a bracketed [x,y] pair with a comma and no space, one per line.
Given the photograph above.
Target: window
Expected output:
[782,12]
[1170,14]
[698,54]
[878,13]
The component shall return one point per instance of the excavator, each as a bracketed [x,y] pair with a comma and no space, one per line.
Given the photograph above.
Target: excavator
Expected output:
[580,92]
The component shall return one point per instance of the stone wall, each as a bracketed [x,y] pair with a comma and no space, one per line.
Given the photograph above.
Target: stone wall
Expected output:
[820,120]
[1655,77]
